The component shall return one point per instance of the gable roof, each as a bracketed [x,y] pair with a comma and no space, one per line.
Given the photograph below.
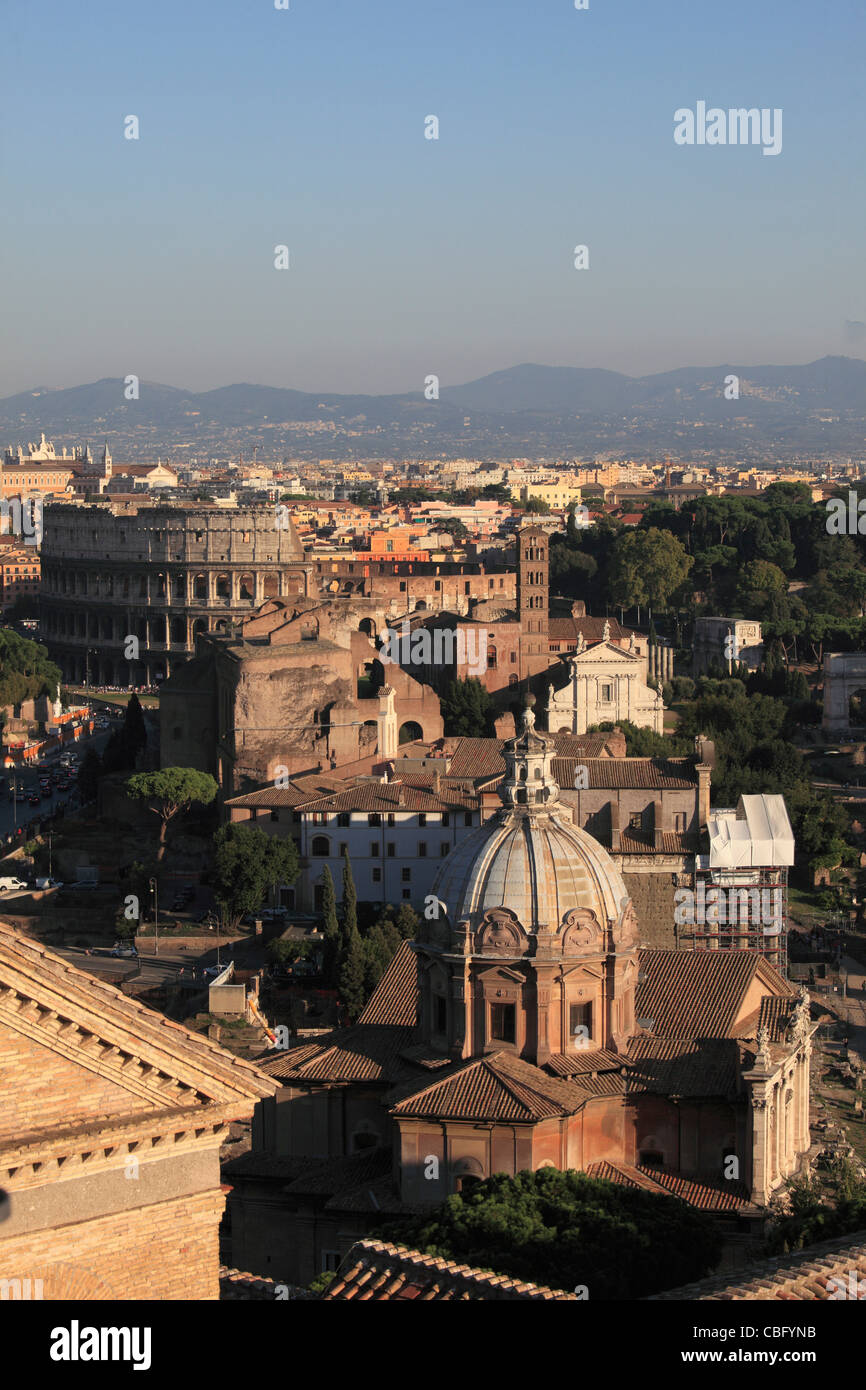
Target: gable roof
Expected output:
[807,1276]
[699,994]
[373,1049]
[498,1087]
[705,1193]
[376,1272]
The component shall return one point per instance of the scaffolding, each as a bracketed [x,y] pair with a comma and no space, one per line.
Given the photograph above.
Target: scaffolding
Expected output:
[741,885]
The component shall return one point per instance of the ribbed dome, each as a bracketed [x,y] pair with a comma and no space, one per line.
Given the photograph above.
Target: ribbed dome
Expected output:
[535,864]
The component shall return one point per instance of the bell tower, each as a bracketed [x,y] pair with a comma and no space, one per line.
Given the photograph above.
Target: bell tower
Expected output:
[533,568]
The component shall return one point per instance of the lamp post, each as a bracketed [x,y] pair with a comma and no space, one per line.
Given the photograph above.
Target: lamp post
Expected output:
[153,889]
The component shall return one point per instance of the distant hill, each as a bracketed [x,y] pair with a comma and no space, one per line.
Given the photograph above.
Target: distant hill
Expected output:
[818,405]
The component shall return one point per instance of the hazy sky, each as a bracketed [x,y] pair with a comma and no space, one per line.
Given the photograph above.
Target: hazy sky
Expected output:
[411,256]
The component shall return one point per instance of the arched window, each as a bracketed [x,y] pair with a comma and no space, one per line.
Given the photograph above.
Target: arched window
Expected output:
[199,587]
[491,658]
[321,846]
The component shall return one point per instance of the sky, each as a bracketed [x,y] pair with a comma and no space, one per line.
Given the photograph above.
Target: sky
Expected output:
[305,128]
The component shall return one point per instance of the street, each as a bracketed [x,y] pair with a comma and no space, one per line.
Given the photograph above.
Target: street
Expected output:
[21,813]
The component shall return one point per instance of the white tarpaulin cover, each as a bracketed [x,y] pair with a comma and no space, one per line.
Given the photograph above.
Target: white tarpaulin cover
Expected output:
[757,835]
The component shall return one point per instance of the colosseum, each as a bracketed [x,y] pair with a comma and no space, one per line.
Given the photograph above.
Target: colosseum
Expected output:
[161,575]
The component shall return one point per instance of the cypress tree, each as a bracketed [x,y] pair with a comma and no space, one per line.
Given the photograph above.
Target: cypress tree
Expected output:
[351,984]
[350,900]
[331,928]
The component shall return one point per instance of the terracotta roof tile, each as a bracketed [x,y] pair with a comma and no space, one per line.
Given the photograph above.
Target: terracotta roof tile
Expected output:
[705,1193]
[834,1270]
[698,994]
[682,1067]
[496,1087]
[376,1272]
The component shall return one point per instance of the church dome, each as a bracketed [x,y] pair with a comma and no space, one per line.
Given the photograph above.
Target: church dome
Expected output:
[536,865]
[528,858]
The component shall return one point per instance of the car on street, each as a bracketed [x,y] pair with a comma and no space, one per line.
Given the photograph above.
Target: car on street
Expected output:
[43,883]
[211,971]
[34,799]
[12,885]
[125,952]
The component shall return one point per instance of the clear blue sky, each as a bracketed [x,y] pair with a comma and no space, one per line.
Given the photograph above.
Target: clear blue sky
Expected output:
[409,256]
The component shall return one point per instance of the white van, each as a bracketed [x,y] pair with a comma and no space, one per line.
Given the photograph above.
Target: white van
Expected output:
[11,885]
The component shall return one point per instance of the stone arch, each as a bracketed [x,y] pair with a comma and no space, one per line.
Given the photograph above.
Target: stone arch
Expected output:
[271,586]
[199,587]
[199,627]
[247,588]
[223,585]
[178,631]
[368,625]
[410,732]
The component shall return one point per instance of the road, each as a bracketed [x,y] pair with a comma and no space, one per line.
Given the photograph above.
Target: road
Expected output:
[21,813]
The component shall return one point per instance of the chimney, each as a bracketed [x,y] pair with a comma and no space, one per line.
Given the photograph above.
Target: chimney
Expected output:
[658,826]
[615,827]
[437,782]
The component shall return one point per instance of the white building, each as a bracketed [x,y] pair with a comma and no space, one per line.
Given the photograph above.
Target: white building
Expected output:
[605,683]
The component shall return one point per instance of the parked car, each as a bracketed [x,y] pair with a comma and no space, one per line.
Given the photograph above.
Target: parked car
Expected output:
[34,799]
[43,883]
[12,885]
[211,971]
[127,952]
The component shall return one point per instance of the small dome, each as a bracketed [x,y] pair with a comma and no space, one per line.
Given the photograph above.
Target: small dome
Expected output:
[536,865]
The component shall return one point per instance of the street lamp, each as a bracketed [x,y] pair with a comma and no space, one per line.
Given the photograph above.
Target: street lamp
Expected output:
[153,889]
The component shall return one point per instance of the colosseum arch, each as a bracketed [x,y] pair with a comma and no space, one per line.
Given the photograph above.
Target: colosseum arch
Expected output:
[271,586]
[199,587]
[247,588]
[223,586]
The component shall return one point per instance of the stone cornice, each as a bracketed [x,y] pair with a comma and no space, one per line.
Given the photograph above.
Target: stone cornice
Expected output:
[35,1159]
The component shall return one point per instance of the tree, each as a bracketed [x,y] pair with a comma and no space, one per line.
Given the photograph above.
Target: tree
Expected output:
[331,929]
[89,774]
[351,984]
[467,709]
[134,730]
[538,506]
[246,864]
[25,670]
[647,567]
[407,922]
[349,914]
[566,1229]
[170,791]
[814,1208]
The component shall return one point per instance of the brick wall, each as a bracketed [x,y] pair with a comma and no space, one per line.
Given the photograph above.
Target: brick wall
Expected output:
[169,1250]
[42,1089]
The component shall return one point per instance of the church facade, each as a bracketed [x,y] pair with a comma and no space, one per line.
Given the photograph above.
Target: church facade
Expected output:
[604,684]
[526,1027]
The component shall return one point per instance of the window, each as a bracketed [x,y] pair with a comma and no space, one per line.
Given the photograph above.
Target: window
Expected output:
[606,694]
[580,1023]
[513,658]
[422,849]
[422,819]
[391,818]
[377,875]
[635,820]
[275,815]
[467,818]
[344,848]
[406,875]
[512,679]
[446,818]
[320,847]
[391,848]
[406,894]
[374,818]
[374,848]
[679,821]
[444,849]
[344,819]
[502,1022]
[440,1014]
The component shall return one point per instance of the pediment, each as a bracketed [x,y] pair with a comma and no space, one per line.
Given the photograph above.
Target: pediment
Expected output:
[501,972]
[136,1058]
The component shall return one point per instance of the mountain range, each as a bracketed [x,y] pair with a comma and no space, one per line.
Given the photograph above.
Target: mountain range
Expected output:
[820,405]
